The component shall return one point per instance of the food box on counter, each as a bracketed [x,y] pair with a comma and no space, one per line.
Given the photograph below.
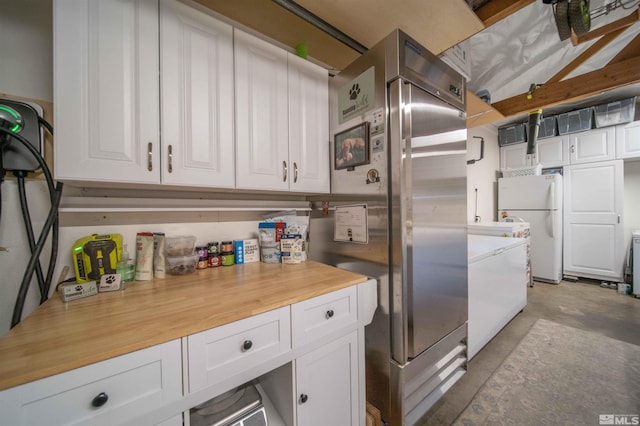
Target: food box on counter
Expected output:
[247,251]
[292,248]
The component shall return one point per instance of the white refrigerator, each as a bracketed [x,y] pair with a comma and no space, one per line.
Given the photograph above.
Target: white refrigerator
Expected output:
[538,201]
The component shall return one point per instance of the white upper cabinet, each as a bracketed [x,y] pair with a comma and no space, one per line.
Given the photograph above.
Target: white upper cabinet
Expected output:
[196,71]
[282,119]
[308,126]
[592,145]
[262,135]
[513,156]
[553,152]
[628,140]
[106,90]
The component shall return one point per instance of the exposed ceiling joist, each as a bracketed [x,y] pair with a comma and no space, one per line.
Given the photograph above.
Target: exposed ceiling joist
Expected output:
[612,76]
[631,50]
[496,10]
[584,56]
[622,23]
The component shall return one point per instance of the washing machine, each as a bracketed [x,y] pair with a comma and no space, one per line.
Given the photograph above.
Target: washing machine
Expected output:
[635,236]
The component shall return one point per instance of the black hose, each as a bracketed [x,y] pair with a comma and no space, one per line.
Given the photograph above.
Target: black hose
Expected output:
[24,286]
[26,216]
[53,215]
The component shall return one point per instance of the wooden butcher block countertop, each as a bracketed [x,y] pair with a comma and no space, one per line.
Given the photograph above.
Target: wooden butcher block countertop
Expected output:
[59,336]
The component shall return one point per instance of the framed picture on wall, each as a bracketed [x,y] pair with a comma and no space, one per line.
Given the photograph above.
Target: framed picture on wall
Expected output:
[351,147]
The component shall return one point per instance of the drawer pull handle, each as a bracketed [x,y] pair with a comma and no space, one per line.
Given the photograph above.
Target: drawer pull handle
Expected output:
[100,399]
[303,398]
[247,345]
[329,314]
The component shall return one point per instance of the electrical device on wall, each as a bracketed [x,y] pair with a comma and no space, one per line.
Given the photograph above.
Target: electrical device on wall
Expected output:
[21,152]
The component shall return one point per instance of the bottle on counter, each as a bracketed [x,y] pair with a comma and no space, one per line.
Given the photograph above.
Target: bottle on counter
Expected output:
[126,267]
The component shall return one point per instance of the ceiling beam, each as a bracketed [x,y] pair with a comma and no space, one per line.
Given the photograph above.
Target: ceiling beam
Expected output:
[590,84]
[622,23]
[629,51]
[592,50]
[496,10]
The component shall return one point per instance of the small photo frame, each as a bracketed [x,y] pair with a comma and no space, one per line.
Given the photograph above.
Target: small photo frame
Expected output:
[351,147]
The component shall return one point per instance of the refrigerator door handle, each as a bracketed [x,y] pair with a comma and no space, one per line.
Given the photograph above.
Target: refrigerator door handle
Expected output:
[552,196]
[553,224]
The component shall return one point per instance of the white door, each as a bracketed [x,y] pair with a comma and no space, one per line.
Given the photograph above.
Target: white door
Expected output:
[628,140]
[308,126]
[197,98]
[593,231]
[513,156]
[262,140]
[593,145]
[553,152]
[327,384]
[106,90]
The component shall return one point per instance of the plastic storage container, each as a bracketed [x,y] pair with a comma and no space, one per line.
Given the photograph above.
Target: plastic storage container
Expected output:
[180,246]
[574,121]
[547,127]
[182,265]
[618,112]
[512,134]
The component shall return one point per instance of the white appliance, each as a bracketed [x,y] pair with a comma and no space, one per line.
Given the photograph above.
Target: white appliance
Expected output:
[509,230]
[497,287]
[635,236]
[537,199]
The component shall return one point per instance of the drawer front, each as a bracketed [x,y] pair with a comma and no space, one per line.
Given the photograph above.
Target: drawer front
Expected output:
[133,384]
[323,315]
[225,351]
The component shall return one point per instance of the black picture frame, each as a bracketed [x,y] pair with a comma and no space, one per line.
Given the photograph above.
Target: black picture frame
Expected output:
[351,147]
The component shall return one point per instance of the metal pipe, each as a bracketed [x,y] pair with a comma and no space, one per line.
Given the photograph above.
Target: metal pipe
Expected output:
[321,24]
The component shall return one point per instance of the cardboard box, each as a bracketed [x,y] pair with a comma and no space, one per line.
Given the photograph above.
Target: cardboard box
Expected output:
[247,251]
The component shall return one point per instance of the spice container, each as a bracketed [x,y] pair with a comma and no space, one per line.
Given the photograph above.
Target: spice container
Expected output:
[228,258]
[203,257]
[227,247]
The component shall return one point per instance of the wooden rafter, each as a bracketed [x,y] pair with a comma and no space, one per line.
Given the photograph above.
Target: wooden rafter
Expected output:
[592,50]
[629,51]
[612,76]
[496,10]
[622,23]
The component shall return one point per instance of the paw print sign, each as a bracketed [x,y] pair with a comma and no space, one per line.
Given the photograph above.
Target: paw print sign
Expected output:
[354,92]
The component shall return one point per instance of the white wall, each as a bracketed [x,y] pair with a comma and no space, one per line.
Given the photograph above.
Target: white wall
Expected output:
[26,68]
[482,176]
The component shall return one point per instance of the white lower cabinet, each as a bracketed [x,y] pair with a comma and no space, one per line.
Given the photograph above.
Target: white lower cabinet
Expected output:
[327,384]
[110,392]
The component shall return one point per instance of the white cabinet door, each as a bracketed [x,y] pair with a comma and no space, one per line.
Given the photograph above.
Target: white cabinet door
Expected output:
[513,156]
[106,90]
[115,391]
[553,152]
[308,126]
[593,228]
[628,140]
[197,98]
[327,384]
[262,140]
[592,145]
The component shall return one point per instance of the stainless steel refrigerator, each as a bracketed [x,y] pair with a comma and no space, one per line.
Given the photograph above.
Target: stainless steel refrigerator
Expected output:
[397,212]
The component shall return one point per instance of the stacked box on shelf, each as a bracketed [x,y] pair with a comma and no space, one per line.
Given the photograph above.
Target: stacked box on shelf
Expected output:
[574,121]
[513,134]
[547,127]
[617,112]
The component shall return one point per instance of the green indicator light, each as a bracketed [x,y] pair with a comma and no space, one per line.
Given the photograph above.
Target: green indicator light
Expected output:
[15,115]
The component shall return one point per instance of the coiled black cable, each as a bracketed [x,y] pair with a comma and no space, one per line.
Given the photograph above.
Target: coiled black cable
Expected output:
[26,216]
[52,219]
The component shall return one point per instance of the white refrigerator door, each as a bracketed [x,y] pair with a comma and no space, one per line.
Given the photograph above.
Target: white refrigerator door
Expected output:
[542,192]
[546,242]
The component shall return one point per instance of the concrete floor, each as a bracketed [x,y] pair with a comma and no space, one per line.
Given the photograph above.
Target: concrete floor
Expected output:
[584,305]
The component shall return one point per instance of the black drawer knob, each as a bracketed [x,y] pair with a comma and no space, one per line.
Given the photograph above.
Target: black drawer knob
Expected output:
[247,345]
[303,398]
[100,399]
[329,313]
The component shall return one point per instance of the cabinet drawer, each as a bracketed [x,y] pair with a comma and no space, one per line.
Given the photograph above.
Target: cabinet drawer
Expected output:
[132,384]
[323,315]
[227,350]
